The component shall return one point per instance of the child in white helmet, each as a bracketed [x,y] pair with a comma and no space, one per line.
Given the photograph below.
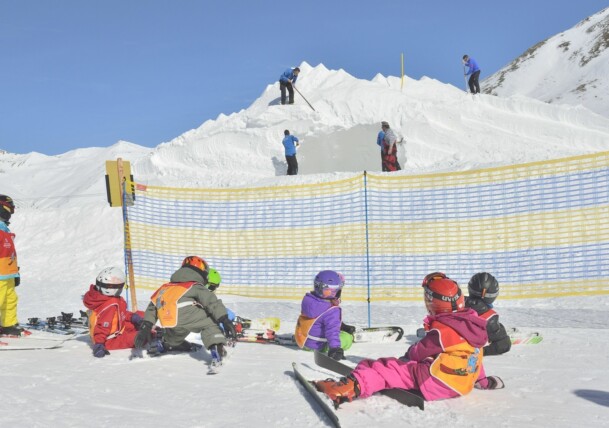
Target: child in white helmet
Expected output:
[111,325]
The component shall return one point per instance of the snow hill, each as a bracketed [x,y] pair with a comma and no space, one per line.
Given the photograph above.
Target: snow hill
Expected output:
[568,68]
[66,234]
[61,201]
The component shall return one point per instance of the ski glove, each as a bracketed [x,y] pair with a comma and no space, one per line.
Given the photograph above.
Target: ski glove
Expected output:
[100,351]
[17,281]
[228,327]
[144,335]
[336,354]
[136,320]
[490,382]
[347,328]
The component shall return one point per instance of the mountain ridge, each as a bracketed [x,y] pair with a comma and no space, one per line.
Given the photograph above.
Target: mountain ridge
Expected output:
[568,68]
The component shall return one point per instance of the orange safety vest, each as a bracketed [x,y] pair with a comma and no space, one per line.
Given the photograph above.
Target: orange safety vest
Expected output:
[458,366]
[8,255]
[116,328]
[303,327]
[166,301]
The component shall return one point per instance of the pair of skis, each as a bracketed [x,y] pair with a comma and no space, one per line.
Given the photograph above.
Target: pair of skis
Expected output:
[518,337]
[361,335]
[30,340]
[406,397]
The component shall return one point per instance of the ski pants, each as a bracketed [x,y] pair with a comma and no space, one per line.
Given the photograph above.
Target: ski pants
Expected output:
[474,86]
[346,341]
[390,160]
[283,86]
[8,303]
[211,334]
[388,373]
[125,340]
[292,165]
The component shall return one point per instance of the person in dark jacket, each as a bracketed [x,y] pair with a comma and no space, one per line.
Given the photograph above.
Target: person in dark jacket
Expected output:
[185,305]
[320,325]
[473,71]
[287,81]
[483,290]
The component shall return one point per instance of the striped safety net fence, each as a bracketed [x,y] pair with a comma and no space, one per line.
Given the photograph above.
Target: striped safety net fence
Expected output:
[541,228]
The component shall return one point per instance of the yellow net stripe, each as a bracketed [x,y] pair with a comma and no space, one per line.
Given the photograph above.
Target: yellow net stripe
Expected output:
[542,228]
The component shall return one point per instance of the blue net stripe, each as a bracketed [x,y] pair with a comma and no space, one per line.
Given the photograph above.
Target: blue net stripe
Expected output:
[579,190]
[525,266]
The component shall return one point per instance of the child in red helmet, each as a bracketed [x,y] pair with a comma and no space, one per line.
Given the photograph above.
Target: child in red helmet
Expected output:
[446,363]
[111,325]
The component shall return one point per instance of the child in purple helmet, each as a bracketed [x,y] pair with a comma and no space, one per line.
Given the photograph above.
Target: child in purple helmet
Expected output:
[320,325]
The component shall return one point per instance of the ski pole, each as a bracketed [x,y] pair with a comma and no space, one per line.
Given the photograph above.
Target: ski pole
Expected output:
[303,97]
[465,78]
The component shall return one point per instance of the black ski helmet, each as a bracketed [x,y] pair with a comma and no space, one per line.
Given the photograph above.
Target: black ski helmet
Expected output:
[484,286]
[7,207]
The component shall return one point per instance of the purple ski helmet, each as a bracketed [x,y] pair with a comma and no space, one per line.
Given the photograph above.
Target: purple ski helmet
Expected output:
[328,284]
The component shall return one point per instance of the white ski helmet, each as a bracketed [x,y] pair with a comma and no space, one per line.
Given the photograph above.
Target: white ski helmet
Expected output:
[110,281]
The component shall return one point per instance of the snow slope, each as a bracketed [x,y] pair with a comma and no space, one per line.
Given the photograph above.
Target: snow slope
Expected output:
[568,68]
[66,233]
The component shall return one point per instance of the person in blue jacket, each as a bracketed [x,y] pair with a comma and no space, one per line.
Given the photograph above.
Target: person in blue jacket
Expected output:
[286,81]
[290,142]
[379,142]
[474,74]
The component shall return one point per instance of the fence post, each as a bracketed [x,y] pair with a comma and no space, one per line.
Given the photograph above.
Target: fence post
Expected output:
[367,247]
[127,239]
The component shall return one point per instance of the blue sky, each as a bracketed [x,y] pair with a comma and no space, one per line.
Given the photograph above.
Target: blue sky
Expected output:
[80,73]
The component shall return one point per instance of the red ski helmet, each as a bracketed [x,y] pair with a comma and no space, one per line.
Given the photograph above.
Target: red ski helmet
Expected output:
[197,264]
[442,294]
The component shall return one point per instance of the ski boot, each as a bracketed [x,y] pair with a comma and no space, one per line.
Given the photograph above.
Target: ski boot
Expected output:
[13,331]
[156,345]
[218,353]
[345,389]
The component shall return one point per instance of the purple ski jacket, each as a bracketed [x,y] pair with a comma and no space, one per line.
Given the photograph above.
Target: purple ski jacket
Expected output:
[326,329]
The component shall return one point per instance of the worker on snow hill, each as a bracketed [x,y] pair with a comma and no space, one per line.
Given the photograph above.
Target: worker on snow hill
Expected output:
[389,149]
[111,325]
[9,272]
[290,144]
[287,81]
[473,71]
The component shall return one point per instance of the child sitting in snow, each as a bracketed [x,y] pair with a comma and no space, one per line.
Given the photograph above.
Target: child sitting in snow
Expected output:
[111,325]
[446,363]
[320,325]
[187,304]
[483,290]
